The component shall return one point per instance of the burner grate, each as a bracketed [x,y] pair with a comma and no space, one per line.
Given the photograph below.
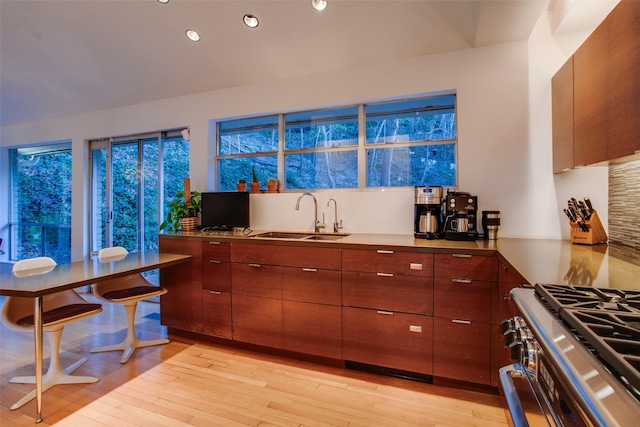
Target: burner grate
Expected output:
[614,335]
[607,321]
[581,297]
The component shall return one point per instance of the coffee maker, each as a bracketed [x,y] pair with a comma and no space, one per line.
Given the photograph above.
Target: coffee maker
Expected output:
[461,211]
[428,213]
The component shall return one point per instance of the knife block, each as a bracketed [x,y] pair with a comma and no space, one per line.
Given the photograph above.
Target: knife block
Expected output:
[594,235]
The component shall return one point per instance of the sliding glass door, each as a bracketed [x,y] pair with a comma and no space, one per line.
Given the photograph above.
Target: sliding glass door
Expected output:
[129,176]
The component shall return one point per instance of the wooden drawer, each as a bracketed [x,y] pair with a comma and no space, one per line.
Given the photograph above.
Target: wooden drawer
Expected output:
[216,275]
[311,285]
[462,351]
[220,251]
[257,320]
[216,313]
[464,266]
[291,256]
[216,269]
[385,291]
[469,300]
[257,280]
[388,261]
[312,329]
[392,340]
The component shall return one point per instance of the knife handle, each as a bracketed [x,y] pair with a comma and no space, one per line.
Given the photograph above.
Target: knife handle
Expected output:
[568,214]
[587,202]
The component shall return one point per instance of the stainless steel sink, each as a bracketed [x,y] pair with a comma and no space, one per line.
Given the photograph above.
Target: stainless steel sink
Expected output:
[327,237]
[301,236]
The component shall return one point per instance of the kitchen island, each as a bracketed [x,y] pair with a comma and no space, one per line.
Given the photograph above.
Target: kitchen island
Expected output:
[427,309]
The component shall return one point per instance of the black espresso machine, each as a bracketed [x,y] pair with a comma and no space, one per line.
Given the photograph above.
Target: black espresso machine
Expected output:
[428,213]
[461,213]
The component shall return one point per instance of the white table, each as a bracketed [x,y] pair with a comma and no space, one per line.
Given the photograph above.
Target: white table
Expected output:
[74,275]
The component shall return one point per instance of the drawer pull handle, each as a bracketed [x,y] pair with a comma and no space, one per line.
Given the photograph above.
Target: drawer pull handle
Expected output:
[461,280]
[214,243]
[382,251]
[461,322]
[386,313]
[215,292]
[461,256]
[255,265]
[311,270]
[385,274]
[215,261]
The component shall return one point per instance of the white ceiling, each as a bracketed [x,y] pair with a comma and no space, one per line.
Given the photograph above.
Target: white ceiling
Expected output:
[59,58]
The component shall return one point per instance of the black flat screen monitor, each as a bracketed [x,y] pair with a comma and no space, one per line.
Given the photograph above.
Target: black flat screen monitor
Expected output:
[225,210]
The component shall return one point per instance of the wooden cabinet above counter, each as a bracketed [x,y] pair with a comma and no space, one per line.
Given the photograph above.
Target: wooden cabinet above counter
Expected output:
[596,94]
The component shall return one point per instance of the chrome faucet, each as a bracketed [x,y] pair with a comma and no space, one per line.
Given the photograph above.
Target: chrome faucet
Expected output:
[317,224]
[336,226]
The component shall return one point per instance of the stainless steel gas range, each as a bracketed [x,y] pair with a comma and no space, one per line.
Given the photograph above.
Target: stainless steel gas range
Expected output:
[577,357]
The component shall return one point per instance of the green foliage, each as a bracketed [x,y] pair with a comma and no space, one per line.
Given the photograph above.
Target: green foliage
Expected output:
[177,209]
[253,173]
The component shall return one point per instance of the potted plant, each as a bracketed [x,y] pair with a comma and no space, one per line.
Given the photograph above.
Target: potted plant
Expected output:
[272,185]
[242,185]
[255,184]
[183,214]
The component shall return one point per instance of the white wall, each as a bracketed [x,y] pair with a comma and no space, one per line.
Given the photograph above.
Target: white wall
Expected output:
[504,116]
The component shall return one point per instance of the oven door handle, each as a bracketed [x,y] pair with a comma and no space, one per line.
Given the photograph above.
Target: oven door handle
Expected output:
[516,410]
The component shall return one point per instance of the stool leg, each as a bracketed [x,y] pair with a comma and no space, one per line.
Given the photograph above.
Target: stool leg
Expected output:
[55,374]
[131,342]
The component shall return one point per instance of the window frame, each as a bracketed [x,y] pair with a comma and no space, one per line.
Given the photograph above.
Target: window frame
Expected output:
[14,224]
[362,148]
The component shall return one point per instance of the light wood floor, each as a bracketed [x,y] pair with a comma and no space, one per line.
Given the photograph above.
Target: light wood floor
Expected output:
[191,383]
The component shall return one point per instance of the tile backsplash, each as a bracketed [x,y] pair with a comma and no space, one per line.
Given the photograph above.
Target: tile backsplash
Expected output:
[624,204]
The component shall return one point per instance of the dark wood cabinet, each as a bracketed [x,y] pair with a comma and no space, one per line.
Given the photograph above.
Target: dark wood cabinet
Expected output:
[464,266]
[257,280]
[181,306]
[461,350]
[312,328]
[503,308]
[408,311]
[623,73]
[463,289]
[296,256]
[407,294]
[256,304]
[257,320]
[562,118]
[216,314]
[387,299]
[464,299]
[216,266]
[312,318]
[387,261]
[287,297]
[216,285]
[606,93]
[311,285]
[590,94]
[388,339]
[507,280]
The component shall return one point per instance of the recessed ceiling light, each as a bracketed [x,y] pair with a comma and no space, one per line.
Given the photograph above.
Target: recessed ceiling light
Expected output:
[193,35]
[164,1]
[319,4]
[250,21]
